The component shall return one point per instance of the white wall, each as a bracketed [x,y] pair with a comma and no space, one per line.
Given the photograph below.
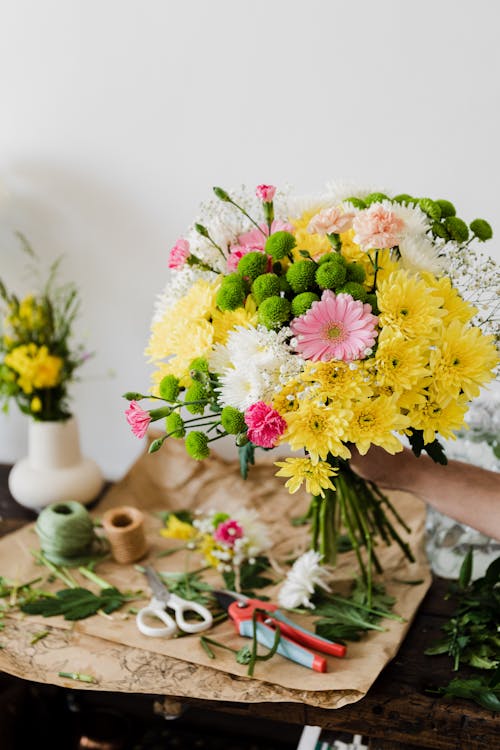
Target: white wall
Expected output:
[117,116]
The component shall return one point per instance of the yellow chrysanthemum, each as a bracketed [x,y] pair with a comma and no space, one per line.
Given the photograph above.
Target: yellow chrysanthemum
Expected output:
[206,547]
[407,304]
[398,363]
[318,429]
[199,302]
[177,529]
[315,244]
[463,360]
[35,366]
[223,322]
[434,413]
[456,307]
[316,475]
[336,381]
[373,422]
[287,399]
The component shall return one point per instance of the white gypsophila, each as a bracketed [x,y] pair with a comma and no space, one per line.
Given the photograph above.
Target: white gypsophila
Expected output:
[178,285]
[476,276]
[421,254]
[255,539]
[259,362]
[300,584]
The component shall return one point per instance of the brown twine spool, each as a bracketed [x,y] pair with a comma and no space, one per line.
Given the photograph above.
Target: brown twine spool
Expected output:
[124,528]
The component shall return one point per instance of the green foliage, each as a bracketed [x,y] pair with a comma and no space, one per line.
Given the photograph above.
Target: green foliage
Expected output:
[333,258]
[252,265]
[264,286]
[435,450]
[247,458]
[76,603]
[232,420]
[485,691]
[371,299]
[471,634]
[404,198]
[197,445]
[251,577]
[274,312]
[302,302]
[188,586]
[169,388]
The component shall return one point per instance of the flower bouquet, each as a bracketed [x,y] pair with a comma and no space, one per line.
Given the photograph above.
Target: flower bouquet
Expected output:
[327,323]
[36,360]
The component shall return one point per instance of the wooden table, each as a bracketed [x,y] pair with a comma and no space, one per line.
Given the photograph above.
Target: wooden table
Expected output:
[397,713]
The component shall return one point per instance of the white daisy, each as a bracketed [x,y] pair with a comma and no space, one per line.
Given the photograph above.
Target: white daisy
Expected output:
[301,581]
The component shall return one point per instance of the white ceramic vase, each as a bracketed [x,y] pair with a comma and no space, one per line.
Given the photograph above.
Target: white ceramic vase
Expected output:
[54,469]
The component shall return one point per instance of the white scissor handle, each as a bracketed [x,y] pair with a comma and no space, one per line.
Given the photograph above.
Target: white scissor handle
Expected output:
[182,606]
[155,608]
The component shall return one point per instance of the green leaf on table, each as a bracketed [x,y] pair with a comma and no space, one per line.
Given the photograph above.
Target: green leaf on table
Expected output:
[466,570]
[76,604]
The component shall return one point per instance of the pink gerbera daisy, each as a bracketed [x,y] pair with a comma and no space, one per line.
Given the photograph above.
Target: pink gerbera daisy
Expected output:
[336,327]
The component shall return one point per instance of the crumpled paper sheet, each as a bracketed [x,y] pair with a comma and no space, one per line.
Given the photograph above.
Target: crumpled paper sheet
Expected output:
[121,658]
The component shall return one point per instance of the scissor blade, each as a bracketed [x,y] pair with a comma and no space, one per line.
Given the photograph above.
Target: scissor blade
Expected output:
[160,591]
[224,598]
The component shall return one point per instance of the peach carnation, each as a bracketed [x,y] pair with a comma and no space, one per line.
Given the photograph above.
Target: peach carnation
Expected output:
[377,228]
[330,221]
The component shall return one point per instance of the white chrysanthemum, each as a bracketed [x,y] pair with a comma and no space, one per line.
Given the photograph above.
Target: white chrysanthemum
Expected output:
[421,254]
[258,362]
[301,581]
[416,222]
[178,285]
[299,204]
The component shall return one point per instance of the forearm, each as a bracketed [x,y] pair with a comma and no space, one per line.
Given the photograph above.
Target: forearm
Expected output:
[467,493]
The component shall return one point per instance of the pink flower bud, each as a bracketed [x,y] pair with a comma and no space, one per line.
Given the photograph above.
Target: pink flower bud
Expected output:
[179,254]
[228,532]
[265,193]
[138,419]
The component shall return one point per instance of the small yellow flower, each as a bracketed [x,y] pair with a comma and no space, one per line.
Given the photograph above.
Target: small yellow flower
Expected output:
[336,381]
[36,405]
[177,529]
[316,244]
[36,367]
[316,475]
[207,546]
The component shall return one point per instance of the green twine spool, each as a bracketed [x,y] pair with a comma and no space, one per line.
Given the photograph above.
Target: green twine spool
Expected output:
[67,535]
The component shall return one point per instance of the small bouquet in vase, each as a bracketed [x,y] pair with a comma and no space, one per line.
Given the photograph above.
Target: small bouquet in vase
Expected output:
[323,322]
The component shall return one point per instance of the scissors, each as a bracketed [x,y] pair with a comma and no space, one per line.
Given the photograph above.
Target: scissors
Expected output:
[295,642]
[163,599]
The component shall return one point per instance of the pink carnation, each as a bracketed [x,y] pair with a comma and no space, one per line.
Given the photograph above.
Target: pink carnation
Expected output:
[138,419]
[179,254]
[265,424]
[336,327]
[265,193]
[377,227]
[228,532]
[330,221]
